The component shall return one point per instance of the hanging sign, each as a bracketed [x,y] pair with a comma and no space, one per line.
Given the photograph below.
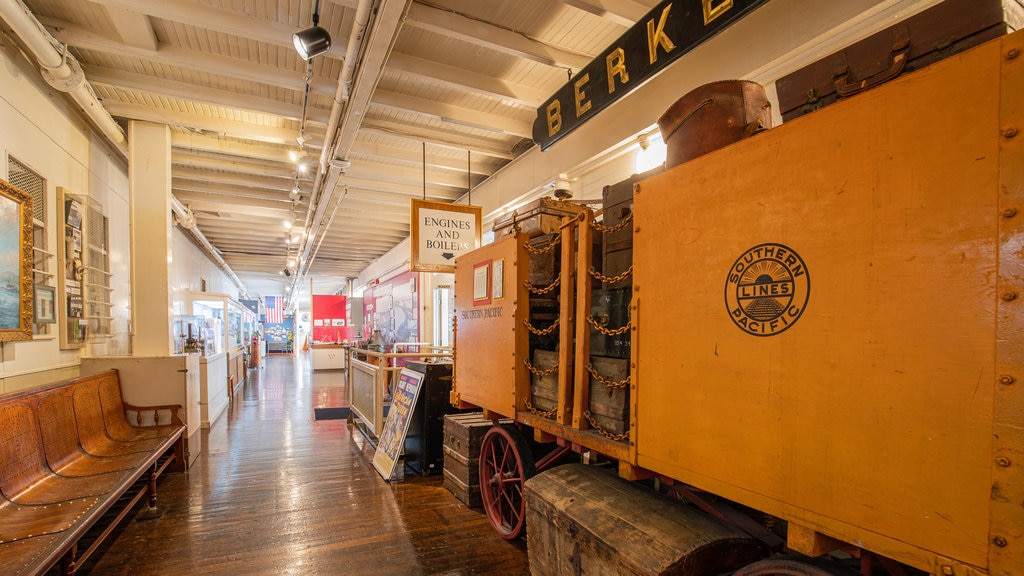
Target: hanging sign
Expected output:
[668,31]
[392,438]
[441,233]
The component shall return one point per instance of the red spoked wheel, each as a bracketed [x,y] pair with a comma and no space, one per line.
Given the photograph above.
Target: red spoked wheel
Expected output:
[505,464]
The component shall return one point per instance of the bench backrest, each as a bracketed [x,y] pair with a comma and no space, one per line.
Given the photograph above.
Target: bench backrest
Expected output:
[21,449]
[109,388]
[89,416]
[59,429]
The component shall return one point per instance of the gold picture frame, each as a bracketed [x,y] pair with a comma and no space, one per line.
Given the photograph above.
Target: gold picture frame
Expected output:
[15,263]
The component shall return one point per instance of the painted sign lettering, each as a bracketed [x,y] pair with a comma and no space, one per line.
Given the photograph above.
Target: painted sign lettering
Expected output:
[668,31]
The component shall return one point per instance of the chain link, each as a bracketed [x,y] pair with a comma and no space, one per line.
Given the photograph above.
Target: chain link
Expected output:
[538,331]
[611,279]
[548,414]
[537,371]
[548,248]
[609,229]
[544,290]
[603,432]
[608,331]
[624,383]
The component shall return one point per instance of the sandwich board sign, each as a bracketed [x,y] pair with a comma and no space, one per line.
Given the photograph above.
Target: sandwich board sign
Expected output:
[392,437]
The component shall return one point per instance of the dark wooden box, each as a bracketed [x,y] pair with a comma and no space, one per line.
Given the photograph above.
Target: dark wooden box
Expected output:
[610,308]
[541,217]
[615,263]
[617,203]
[609,406]
[583,520]
[544,389]
[462,436]
[936,33]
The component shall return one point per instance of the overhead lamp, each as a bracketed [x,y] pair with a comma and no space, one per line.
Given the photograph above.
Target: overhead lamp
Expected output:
[312,41]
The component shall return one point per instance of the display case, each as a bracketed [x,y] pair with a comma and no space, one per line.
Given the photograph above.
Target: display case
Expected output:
[188,334]
[211,315]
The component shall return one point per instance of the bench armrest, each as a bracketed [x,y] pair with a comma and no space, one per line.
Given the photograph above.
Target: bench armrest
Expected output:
[174,409]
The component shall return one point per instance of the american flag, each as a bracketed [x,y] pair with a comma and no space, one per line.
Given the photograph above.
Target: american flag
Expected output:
[275,309]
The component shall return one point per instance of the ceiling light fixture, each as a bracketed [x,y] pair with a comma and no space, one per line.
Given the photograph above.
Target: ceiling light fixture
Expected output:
[312,41]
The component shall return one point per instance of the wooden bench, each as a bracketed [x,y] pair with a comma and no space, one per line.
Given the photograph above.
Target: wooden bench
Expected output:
[70,458]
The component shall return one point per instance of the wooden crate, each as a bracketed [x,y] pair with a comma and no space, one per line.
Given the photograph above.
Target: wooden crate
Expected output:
[925,38]
[544,389]
[543,216]
[462,436]
[609,407]
[583,520]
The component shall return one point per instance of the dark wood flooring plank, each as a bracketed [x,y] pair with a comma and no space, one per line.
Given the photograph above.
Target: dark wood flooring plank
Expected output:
[276,492]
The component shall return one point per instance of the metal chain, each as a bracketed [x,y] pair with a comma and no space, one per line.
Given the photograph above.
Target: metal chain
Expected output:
[607,331]
[548,248]
[548,414]
[624,383]
[538,331]
[603,432]
[611,279]
[545,289]
[609,229]
[537,371]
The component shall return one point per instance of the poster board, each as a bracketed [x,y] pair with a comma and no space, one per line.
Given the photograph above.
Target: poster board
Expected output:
[392,437]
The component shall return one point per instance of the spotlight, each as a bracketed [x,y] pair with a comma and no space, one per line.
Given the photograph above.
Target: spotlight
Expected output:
[311,41]
[287,272]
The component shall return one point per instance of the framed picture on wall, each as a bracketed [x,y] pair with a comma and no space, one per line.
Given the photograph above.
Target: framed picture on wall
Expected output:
[44,305]
[15,263]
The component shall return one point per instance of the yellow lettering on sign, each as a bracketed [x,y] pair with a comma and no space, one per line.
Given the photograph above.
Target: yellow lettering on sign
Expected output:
[656,36]
[712,10]
[554,117]
[616,63]
[581,106]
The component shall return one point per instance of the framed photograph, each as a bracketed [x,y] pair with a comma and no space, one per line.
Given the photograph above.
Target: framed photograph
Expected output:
[498,280]
[482,283]
[43,307]
[15,263]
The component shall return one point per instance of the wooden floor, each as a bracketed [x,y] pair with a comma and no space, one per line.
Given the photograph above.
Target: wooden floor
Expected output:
[276,492]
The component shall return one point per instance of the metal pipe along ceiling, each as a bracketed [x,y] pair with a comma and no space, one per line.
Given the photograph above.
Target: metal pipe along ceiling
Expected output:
[60,69]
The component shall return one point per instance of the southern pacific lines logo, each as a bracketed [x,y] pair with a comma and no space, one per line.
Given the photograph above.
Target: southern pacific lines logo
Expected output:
[767,289]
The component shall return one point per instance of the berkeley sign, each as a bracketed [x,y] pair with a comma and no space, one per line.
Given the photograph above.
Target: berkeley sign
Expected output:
[668,31]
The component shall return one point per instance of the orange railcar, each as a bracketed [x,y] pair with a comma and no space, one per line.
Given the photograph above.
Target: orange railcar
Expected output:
[826,325]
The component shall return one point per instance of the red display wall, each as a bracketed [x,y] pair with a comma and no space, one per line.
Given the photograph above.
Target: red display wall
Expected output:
[329,322]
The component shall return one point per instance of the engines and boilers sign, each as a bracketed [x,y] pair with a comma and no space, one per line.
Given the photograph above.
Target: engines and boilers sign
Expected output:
[441,233]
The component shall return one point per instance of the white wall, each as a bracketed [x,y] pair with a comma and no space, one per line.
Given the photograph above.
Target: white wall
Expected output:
[189,268]
[43,132]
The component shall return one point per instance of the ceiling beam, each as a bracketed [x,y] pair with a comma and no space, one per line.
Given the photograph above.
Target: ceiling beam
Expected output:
[192,142]
[234,128]
[132,27]
[462,79]
[226,21]
[622,12]
[204,94]
[490,36]
[436,137]
[454,114]
[237,68]
[368,151]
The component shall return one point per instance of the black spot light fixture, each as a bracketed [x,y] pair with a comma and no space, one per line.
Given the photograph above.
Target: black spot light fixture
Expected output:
[312,41]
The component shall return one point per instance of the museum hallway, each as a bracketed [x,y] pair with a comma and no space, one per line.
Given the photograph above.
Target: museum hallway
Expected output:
[275,492]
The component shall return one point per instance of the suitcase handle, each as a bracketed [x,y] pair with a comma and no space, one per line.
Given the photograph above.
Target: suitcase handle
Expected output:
[900,55]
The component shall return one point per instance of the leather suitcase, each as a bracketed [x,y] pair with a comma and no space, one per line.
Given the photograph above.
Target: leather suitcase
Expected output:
[939,32]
